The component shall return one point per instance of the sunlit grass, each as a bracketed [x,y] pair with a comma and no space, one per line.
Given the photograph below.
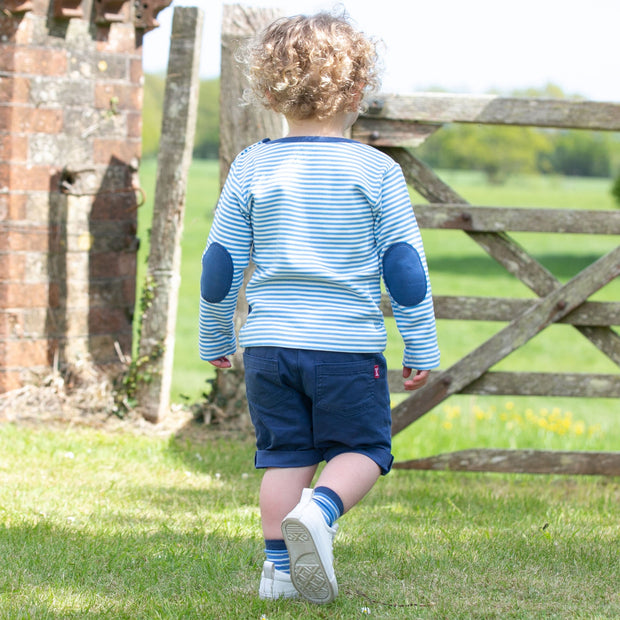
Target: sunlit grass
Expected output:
[123,526]
[468,422]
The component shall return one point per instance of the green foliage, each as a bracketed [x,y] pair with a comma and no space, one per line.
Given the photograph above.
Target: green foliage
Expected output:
[615,190]
[500,151]
[139,370]
[579,153]
[497,151]
[206,139]
[151,114]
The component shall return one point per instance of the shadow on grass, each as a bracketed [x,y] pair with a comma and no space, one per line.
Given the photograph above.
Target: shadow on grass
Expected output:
[119,575]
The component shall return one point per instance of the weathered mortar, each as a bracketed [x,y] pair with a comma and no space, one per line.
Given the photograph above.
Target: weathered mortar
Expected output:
[70,143]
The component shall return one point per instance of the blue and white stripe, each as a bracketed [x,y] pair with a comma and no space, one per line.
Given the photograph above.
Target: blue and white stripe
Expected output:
[316,215]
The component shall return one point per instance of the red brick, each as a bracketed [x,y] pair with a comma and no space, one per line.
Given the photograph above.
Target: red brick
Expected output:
[30,119]
[40,61]
[15,205]
[7,62]
[118,96]
[136,72]
[107,320]
[26,353]
[30,178]
[119,38]
[12,266]
[9,379]
[13,147]
[23,295]
[134,125]
[5,118]
[124,150]
[5,174]
[14,90]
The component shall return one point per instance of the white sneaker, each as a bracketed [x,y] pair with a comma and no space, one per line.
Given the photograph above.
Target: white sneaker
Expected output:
[275,584]
[309,541]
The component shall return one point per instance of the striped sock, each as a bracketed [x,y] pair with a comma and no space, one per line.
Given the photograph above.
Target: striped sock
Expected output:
[330,504]
[276,552]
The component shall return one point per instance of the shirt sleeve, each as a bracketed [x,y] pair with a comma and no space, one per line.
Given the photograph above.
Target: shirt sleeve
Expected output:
[395,225]
[226,256]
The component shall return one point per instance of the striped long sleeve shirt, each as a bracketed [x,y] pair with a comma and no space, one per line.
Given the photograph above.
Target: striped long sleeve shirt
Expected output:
[324,220]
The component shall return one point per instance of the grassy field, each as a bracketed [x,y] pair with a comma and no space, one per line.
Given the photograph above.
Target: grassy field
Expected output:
[458,266]
[119,526]
[141,526]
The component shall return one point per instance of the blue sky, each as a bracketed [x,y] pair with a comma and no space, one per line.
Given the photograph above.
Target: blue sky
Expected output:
[472,46]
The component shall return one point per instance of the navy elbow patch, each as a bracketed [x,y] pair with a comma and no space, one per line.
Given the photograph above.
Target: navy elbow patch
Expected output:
[404,274]
[217,273]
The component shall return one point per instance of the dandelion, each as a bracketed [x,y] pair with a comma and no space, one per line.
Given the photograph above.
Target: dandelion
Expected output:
[447,425]
[579,428]
[479,413]
[452,412]
[509,405]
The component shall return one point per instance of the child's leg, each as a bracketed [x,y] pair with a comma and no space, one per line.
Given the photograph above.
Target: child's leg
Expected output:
[350,475]
[279,493]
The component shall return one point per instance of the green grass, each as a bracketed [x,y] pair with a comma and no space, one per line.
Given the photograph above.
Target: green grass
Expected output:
[120,526]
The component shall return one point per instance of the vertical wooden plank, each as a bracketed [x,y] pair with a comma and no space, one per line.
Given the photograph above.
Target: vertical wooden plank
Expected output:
[240,126]
[156,347]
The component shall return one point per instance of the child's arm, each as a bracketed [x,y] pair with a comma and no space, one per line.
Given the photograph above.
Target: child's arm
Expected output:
[224,260]
[405,273]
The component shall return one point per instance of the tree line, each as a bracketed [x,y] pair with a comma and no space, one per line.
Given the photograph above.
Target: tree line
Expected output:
[498,151]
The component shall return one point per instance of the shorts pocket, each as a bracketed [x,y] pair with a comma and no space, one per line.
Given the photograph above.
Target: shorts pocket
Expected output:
[345,388]
[262,380]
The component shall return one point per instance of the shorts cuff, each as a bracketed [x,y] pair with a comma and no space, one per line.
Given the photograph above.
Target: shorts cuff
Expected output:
[282,458]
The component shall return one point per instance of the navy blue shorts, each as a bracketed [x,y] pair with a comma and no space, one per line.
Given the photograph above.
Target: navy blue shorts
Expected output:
[310,406]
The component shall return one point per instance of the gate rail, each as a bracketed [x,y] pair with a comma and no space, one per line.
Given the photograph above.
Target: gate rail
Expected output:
[395,123]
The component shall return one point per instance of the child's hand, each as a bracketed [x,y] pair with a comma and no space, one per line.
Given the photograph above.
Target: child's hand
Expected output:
[419,379]
[221,362]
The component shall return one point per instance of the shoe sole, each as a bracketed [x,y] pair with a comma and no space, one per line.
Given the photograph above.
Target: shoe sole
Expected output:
[308,574]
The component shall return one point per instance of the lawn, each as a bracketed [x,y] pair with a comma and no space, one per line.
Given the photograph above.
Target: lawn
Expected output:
[130,526]
[128,523]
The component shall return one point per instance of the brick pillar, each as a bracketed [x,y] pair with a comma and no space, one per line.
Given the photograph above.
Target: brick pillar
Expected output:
[70,140]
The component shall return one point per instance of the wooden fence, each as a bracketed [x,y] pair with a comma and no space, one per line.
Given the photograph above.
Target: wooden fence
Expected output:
[395,123]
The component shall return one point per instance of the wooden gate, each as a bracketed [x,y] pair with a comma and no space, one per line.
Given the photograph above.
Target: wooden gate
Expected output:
[395,123]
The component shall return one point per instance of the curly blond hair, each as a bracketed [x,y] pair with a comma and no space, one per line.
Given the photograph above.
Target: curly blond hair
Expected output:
[311,66]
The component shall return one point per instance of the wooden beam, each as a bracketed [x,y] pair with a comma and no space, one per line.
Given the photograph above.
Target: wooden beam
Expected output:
[494,110]
[521,461]
[542,313]
[572,385]
[158,321]
[498,219]
[392,133]
[503,309]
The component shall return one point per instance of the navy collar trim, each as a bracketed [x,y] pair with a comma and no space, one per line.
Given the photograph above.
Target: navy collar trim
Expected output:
[311,139]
